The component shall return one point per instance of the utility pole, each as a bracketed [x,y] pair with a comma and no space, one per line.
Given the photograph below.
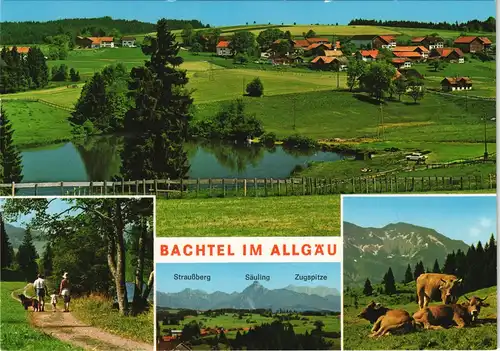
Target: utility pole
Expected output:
[293,112]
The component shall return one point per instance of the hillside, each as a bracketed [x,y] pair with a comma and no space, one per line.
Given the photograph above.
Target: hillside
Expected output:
[253,297]
[368,252]
[36,32]
[16,235]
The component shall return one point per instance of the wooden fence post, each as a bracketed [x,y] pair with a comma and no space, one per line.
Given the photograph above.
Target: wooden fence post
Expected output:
[136,187]
[223,188]
[272,190]
[255,186]
[279,186]
[265,187]
[123,186]
[156,187]
[236,186]
[36,189]
[144,186]
[91,188]
[182,187]
[105,188]
[245,188]
[62,188]
[209,186]
[197,186]
[303,186]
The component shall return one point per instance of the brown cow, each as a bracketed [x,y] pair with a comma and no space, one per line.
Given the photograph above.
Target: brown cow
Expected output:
[387,320]
[440,316]
[432,285]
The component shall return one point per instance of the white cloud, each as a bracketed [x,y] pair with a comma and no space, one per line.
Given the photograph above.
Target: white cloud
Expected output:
[485,222]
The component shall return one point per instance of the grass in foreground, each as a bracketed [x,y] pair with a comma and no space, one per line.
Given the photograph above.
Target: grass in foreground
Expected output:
[269,216]
[98,312]
[36,123]
[479,337]
[16,332]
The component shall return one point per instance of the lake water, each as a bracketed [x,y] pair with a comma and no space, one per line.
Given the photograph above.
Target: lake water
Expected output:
[98,159]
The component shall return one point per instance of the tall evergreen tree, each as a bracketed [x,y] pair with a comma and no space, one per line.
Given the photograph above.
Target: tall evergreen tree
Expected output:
[368,289]
[449,266]
[491,262]
[436,268]
[419,269]
[7,250]
[37,67]
[47,260]
[161,114]
[389,283]
[27,256]
[10,156]
[408,275]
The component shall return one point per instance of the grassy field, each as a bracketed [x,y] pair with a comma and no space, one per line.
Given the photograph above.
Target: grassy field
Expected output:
[37,123]
[16,332]
[98,312]
[271,216]
[479,337]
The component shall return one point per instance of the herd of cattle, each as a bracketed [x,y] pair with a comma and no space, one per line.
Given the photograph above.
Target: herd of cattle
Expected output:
[430,286]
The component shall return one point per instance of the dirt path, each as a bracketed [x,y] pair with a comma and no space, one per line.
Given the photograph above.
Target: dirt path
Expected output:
[67,328]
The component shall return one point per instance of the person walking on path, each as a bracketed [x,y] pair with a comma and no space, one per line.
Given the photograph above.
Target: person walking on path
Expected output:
[40,290]
[64,290]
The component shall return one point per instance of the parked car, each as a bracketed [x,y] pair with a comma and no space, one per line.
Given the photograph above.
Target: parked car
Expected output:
[416,156]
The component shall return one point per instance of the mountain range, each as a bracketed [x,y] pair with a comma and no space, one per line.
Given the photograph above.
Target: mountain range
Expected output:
[16,236]
[255,296]
[369,252]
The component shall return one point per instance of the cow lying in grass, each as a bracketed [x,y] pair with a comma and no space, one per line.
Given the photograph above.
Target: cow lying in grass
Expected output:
[443,316]
[386,321]
[27,302]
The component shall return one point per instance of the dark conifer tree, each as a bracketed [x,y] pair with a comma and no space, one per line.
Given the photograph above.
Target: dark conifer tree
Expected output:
[368,289]
[37,67]
[449,266]
[161,114]
[419,269]
[389,283]
[408,275]
[27,256]
[11,167]
[7,250]
[436,268]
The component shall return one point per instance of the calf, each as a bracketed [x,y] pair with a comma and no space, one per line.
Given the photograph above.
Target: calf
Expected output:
[386,320]
[443,316]
[27,302]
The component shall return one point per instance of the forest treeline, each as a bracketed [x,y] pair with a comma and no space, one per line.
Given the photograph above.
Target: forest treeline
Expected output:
[488,25]
[37,32]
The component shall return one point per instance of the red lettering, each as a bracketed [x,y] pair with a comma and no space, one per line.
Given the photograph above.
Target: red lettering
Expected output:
[306,250]
[275,250]
[332,249]
[256,250]
[319,250]
[164,250]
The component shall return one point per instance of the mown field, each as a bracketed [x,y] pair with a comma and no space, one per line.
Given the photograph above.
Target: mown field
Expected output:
[15,329]
[477,337]
[228,321]
[268,216]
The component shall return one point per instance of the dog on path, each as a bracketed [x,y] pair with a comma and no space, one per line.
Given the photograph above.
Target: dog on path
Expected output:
[27,302]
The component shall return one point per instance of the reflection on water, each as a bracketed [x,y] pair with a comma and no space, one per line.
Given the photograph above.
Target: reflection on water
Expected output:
[99,158]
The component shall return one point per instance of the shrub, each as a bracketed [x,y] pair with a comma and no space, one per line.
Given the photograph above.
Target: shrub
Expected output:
[255,88]
[299,142]
[268,139]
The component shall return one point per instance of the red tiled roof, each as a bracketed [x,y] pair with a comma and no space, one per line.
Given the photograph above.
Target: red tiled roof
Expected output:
[325,59]
[417,39]
[399,60]
[445,52]
[410,48]
[98,40]
[333,53]
[21,49]
[223,44]
[387,38]
[369,53]
[316,40]
[301,43]
[316,45]
[407,54]
[455,80]
[485,40]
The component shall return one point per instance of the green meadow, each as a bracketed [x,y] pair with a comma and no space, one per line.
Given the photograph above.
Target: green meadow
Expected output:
[15,328]
[263,216]
[478,337]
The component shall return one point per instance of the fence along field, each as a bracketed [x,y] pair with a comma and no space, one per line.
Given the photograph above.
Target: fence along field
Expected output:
[257,187]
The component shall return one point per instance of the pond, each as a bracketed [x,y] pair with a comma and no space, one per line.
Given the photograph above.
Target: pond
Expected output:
[99,158]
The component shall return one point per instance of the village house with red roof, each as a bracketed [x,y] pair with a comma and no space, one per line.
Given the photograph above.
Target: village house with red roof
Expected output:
[384,42]
[422,50]
[429,41]
[452,55]
[223,49]
[368,55]
[456,83]
[472,44]
[94,42]
[21,49]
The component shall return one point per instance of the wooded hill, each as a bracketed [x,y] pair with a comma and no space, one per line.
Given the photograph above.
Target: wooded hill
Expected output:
[489,25]
[36,32]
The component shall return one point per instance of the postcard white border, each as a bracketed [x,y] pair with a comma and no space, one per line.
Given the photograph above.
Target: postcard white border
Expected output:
[109,197]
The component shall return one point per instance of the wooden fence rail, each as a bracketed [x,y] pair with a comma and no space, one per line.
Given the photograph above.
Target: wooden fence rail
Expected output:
[257,187]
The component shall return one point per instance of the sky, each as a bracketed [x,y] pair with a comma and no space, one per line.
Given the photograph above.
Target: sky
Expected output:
[57,206]
[224,13]
[230,277]
[467,218]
